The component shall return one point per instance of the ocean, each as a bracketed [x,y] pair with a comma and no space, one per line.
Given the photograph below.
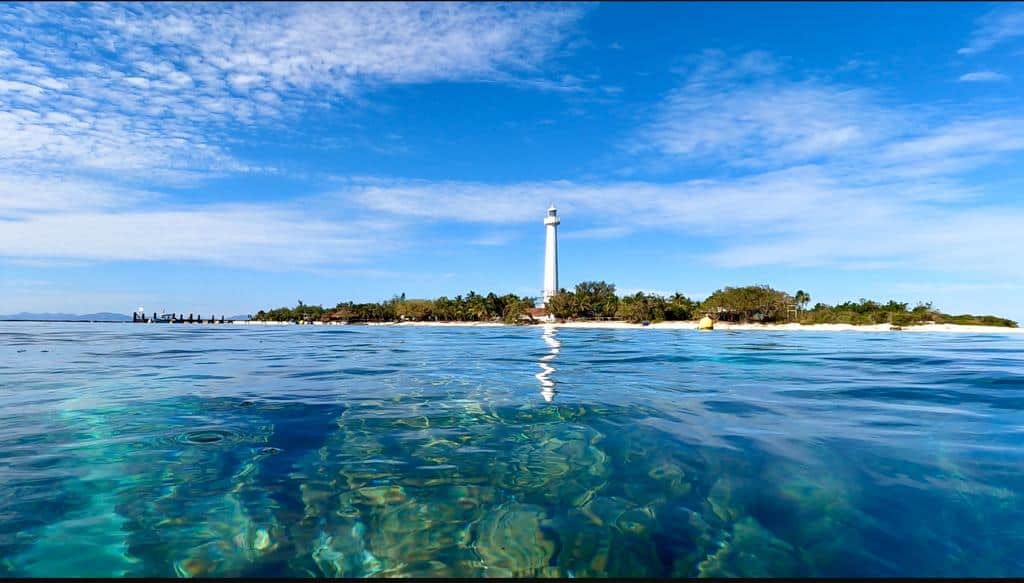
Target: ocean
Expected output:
[352,451]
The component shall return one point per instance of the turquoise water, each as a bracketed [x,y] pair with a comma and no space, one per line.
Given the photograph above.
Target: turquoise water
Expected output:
[164,450]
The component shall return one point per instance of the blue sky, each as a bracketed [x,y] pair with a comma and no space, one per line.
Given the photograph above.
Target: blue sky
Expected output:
[230,157]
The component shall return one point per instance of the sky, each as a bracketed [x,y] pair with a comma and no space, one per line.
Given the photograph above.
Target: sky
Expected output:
[226,158]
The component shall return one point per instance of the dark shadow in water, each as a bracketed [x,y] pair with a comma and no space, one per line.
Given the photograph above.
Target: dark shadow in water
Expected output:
[454,484]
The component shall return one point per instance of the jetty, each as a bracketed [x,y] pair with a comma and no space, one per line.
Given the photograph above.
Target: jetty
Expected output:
[174,318]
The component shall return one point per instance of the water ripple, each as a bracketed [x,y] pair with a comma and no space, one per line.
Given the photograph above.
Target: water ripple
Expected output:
[161,451]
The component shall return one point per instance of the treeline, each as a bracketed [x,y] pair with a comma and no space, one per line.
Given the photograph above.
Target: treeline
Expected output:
[471,307]
[598,300]
[896,313]
[752,303]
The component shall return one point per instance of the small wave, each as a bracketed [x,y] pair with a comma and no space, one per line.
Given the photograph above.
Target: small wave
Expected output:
[341,373]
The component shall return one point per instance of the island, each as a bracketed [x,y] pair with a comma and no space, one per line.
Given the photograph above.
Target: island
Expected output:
[596,304]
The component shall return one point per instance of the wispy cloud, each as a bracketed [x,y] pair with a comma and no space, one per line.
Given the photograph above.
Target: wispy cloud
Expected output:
[150,88]
[830,175]
[816,174]
[69,221]
[369,218]
[612,232]
[98,98]
[1002,24]
[895,237]
[801,171]
[494,239]
[739,112]
[802,216]
[982,76]
[967,137]
[959,286]
[856,182]
[24,195]
[858,65]
[744,115]
[253,236]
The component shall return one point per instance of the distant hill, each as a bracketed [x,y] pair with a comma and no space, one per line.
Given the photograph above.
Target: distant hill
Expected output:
[49,317]
[239,318]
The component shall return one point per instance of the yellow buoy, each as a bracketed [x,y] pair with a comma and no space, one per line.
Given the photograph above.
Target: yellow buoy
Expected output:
[706,323]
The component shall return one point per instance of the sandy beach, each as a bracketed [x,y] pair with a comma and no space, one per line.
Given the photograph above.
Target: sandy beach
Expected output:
[692,325]
[727,326]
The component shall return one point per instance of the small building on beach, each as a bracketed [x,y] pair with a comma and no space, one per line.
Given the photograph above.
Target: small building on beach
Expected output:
[533,314]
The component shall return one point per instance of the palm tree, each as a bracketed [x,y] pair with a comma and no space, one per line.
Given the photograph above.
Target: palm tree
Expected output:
[802,298]
[476,306]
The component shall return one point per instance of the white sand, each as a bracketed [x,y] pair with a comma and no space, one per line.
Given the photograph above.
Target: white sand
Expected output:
[692,325]
[801,327]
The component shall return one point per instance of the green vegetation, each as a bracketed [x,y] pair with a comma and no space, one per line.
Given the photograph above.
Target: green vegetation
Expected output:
[869,312]
[300,313]
[472,307]
[758,303]
[597,300]
[590,300]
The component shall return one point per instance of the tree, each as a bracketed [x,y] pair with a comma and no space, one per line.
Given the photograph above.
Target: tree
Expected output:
[514,307]
[417,310]
[640,307]
[758,302]
[476,307]
[563,305]
[680,307]
[595,299]
[444,309]
[802,298]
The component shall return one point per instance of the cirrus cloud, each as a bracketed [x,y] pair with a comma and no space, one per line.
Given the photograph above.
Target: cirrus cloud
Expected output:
[153,89]
[1000,25]
[739,112]
[982,77]
[73,220]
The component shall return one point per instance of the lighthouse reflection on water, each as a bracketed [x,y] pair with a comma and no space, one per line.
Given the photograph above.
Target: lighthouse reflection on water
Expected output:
[547,385]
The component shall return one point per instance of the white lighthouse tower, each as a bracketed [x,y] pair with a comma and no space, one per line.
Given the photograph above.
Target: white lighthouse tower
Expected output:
[551,254]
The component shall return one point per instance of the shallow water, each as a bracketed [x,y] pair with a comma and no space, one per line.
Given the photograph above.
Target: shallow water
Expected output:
[164,450]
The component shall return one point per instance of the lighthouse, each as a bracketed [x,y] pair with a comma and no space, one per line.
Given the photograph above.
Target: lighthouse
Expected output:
[551,254]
